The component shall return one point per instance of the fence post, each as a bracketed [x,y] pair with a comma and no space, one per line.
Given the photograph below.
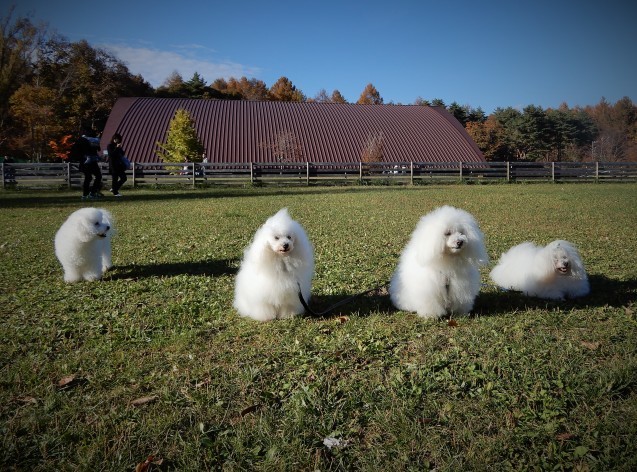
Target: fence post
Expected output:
[251,173]
[508,171]
[552,171]
[411,172]
[68,174]
[307,174]
[596,171]
[134,176]
[460,165]
[360,171]
[2,175]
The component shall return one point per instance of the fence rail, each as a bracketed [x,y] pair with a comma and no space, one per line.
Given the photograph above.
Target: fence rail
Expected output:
[306,173]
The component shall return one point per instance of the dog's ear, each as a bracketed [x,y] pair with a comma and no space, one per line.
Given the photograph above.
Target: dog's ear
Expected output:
[429,244]
[107,218]
[477,249]
[85,228]
[577,266]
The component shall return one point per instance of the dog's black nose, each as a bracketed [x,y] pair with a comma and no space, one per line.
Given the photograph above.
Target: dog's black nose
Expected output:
[459,243]
[286,246]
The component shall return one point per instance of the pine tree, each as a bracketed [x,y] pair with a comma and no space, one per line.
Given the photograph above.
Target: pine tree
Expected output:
[182,143]
[196,86]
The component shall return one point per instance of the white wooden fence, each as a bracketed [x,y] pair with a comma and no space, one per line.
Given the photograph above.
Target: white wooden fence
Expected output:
[307,173]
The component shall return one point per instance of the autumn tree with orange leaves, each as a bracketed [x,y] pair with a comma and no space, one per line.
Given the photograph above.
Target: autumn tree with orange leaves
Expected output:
[283,90]
[62,146]
[370,96]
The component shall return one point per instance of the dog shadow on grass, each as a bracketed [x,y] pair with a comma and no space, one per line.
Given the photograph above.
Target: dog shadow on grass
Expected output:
[346,304]
[604,292]
[208,267]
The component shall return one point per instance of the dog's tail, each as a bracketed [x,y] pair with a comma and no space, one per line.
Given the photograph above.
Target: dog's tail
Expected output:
[337,304]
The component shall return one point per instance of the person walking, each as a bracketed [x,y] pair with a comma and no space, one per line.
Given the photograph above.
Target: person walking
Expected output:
[86,154]
[116,163]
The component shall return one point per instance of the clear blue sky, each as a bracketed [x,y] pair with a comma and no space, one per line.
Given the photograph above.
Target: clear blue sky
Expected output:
[485,54]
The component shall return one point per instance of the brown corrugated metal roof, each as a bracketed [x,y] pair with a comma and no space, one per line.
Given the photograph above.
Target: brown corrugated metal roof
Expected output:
[244,131]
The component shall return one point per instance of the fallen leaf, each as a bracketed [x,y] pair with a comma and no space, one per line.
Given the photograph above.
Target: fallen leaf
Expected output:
[66,381]
[28,400]
[145,466]
[143,400]
[564,436]
[203,383]
[590,345]
[453,323]
[343,319]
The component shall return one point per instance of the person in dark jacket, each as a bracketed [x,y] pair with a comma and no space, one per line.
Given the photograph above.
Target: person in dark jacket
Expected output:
[86,154]
[116,163]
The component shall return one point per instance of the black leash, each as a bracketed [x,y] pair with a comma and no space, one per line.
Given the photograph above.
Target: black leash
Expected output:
[337,304]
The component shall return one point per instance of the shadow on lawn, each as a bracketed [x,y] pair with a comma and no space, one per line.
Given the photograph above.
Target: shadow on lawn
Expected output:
[13,199]
[359,304]
[604,292]
[209,267]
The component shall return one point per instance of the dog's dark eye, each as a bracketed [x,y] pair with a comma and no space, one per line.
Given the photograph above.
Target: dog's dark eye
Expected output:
[447,233]
[289,237]
[276,238]
[97,223]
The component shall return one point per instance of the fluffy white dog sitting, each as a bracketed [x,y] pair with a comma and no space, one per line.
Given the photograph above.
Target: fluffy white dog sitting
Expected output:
[438,269]
[554,271]
[83,244]
[279,259]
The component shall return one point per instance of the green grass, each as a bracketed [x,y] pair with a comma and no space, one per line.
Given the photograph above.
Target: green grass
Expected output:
[520,384]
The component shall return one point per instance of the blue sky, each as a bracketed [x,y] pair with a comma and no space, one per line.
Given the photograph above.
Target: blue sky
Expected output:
[485,54]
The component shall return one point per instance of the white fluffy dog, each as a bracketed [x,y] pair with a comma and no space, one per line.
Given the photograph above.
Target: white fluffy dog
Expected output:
[554,271]
[279,259]
[438,269]
[83,244]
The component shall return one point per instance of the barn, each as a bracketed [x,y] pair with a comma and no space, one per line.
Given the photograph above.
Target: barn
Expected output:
[237,131]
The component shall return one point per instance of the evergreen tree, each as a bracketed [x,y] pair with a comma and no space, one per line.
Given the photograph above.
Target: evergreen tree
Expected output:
[476,115]
[196,86]
[459,112]
[182,143]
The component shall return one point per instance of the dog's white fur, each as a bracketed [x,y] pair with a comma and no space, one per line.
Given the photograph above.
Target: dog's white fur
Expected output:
[438,270]
[279,256]
[83,244]
[554,271]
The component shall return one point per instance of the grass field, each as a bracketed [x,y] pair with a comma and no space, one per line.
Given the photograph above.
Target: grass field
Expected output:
[154,361]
